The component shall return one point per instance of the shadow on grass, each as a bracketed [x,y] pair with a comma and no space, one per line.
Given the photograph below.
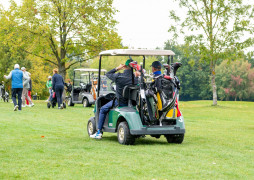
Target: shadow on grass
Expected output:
[142,141]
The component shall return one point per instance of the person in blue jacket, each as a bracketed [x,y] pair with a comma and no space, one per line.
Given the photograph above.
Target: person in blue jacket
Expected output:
[58,87]
[16,77]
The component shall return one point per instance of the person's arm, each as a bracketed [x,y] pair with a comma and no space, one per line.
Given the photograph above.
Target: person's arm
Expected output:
[62,80]
[9,76]
[112,73]
[53,82]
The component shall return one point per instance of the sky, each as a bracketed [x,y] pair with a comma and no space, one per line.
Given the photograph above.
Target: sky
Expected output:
[143,23]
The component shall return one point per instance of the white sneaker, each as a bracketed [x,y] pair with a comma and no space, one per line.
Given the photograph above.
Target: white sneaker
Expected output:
[24,105]
[97,135]
[16,107]
[32,105]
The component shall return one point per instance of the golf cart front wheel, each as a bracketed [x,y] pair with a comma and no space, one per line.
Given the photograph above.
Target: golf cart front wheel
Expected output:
[91,126]
[69,102]
[175,138]
[85,102]
[123,134]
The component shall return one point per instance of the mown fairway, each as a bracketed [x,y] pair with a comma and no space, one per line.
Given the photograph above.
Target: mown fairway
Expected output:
[41,143]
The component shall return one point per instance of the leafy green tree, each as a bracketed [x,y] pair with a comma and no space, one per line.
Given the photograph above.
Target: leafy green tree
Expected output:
[214,26]
[65,32]
[236,80]
[193,75]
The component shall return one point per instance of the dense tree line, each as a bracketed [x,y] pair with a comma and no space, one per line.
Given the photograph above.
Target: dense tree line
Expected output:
[235,77]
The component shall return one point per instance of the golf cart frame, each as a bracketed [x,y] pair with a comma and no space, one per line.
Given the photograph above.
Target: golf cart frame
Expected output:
[129,122]
[81,91]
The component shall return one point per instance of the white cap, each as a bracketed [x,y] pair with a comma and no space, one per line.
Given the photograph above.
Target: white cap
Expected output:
[49,77]
[23,68]
[16,66]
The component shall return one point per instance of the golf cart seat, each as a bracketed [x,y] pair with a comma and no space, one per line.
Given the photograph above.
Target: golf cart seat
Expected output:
[130,92]
[88,87]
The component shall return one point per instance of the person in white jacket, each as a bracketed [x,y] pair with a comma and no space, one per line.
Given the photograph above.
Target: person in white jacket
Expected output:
[25,89]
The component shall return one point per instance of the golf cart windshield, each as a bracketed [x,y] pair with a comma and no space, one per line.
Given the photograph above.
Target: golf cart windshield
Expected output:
[85,76]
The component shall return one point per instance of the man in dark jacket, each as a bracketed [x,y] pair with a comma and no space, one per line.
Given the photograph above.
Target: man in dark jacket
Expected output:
[121,80]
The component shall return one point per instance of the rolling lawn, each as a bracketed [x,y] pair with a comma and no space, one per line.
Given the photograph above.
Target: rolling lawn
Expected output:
[41,143]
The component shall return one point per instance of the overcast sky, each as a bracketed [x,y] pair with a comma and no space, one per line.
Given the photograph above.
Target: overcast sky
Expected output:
[143,23]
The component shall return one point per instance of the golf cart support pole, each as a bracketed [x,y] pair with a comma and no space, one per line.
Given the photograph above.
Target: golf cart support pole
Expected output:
[144,58]
[172,59]
[99,79]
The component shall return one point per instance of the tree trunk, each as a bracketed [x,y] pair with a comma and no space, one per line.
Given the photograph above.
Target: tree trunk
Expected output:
[213,83]
[62,69]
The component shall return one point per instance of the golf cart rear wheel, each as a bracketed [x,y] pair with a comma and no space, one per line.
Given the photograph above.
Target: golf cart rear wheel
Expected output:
[70,103]
[123,134]
[175,138]
[64,105]
[91,126]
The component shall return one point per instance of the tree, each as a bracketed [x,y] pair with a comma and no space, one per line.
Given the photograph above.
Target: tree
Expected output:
[216,26]
[66,32]
[236,80]
[193,74]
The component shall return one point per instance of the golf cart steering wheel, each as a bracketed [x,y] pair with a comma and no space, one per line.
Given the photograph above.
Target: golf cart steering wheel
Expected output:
[112,86]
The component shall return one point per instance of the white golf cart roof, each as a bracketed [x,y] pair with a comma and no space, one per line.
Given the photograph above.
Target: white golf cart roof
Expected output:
[136,52]
[91,70]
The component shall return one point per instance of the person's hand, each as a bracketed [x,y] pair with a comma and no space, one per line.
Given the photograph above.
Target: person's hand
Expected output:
[121,66]
[137,73]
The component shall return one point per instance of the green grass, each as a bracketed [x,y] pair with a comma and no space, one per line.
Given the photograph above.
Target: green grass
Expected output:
[219,144]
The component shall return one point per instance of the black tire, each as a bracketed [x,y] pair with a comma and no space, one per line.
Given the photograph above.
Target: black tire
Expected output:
[7,99]
[64,105]
[91,126]
[85,102]
[175,138]
[123,134]
[48,105]
[70,103]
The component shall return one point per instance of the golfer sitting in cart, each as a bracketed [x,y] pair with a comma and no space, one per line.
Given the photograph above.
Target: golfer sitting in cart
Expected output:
[121,80]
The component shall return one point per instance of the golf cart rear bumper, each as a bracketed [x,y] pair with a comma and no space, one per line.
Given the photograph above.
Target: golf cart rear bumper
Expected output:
[158,130]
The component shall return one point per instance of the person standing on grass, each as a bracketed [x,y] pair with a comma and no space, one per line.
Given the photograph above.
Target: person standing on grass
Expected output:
[58,87]
[26,86]
[49,86]
[29,90]
[16,77]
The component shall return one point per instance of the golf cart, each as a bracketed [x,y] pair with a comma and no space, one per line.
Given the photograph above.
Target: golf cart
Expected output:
[142,116]
[84,87]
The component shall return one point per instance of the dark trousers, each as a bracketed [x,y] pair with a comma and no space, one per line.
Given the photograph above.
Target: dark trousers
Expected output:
[104,111]
[59,93]
[14,92]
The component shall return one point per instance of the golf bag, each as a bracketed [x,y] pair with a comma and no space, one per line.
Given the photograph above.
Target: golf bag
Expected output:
[53,100]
